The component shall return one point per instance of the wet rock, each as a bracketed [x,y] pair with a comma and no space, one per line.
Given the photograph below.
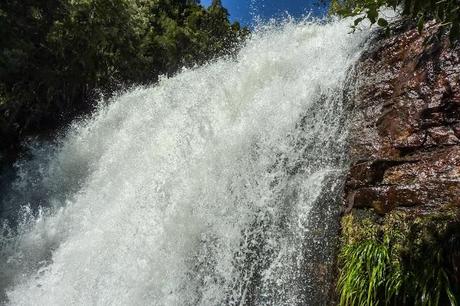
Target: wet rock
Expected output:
[405,137]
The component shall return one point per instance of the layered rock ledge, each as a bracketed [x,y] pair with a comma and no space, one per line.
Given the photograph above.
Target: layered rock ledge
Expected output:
[405,137]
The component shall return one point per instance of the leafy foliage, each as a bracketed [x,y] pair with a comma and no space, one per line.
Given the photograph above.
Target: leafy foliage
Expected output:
[402,261]
[447,12]
[57,55]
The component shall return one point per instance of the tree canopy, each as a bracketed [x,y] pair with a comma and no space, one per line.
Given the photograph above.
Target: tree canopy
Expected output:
[56,54]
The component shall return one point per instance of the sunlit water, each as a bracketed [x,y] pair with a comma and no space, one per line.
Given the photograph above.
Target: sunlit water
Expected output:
[195,191]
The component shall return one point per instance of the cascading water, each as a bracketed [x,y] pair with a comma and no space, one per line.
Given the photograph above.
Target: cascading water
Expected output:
[214,187]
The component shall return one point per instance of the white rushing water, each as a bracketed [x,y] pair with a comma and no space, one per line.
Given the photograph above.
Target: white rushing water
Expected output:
[196,191]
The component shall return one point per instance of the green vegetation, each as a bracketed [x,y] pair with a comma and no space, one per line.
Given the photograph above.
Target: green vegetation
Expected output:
[447,12]
[57,56]
[400,260]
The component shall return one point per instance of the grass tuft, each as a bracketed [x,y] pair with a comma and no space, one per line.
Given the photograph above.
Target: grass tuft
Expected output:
[400,260]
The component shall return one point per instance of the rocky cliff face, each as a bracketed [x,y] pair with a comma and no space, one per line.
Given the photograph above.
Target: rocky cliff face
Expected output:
[405,140]
[400,238]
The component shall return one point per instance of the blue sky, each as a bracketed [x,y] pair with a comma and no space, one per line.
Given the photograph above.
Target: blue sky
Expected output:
[244,10]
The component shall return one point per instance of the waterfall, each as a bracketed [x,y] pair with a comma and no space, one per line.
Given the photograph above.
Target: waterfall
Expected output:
[217,186]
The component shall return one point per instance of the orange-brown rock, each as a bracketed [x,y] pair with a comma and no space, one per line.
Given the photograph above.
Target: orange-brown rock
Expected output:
[405,137]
